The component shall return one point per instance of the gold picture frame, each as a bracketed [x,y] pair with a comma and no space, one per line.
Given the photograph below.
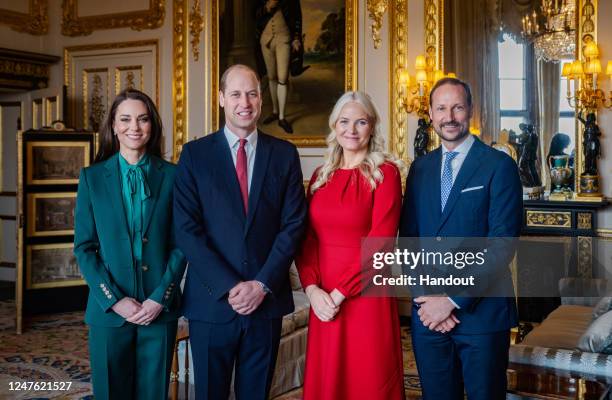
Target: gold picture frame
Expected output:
[351,18]
[35,22]
[73,25]
[57,162]
[50,214]
[52,265]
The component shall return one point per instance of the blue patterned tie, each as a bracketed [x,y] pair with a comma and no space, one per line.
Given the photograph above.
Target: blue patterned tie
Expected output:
[446,184]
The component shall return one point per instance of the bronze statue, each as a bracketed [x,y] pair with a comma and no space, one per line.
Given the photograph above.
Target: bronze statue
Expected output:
[528,141]
[421,140]
[590,144]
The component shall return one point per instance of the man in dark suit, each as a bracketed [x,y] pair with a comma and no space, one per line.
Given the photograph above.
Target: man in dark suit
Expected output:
[239,216]
[462,189]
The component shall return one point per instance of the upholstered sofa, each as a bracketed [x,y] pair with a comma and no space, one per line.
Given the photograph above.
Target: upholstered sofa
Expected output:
[566,338]
[289,373]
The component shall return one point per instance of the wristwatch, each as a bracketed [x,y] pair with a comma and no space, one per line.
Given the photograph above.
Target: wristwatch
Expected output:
[264,287]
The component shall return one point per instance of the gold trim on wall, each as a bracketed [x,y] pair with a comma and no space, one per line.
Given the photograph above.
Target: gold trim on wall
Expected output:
[70,73]
[586,32]
[73,25]
[84,76]
[350,67]
[196,25]
[434,47]
[127,68]
[35,22]
[399,60]
[179,86]
[376,12]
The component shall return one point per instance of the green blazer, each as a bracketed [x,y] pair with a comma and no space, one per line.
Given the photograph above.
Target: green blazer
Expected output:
[103,248]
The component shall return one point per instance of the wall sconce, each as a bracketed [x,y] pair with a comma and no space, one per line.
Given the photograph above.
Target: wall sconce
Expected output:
[585,73]
[415,99]
[415,89]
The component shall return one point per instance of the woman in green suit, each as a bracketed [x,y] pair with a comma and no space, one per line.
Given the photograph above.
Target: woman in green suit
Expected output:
[125,248]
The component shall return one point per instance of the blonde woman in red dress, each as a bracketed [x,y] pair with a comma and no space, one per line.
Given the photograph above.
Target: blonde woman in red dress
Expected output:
[354,348]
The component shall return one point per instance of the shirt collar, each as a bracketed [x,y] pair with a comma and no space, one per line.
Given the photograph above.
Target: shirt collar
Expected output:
[126,166]
[233,139]
[463,148]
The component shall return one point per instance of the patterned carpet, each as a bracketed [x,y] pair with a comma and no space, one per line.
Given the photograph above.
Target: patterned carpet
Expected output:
[53,348]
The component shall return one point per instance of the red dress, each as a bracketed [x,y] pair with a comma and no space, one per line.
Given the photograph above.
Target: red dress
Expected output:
[357,355]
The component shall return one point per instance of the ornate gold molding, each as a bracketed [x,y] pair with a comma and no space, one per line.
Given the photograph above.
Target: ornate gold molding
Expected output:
[585,220]
[586,32]
[434,33]
[196,25]
[35,22]
[350,68]
[376,11]
[545,219]
[399,60]
[70,73]
[434,47]
[73,25]
[179,87]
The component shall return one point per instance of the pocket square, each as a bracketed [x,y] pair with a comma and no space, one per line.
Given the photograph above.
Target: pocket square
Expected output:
[472,188]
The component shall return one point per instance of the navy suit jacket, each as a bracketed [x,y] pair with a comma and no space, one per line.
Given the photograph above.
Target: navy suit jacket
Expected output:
[223,245]
[494,210]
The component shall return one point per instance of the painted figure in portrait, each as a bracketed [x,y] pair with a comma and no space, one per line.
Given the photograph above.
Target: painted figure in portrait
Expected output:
[298,49]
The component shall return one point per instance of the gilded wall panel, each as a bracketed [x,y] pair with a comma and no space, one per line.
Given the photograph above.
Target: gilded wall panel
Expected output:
[94,74]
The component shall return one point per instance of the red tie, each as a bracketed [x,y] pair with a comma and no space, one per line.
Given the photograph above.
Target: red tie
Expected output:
[241,171]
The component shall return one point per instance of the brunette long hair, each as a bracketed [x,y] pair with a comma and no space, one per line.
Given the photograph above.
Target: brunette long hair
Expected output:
[109,145]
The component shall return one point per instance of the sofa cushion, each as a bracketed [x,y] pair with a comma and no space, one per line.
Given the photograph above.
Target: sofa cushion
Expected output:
[302,309]
[604,305]
[598,338]
[562,328]
[294,278]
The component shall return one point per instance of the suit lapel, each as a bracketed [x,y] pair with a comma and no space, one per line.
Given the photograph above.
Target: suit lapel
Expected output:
[434,187]
[225,173]
[155,177]
[113,186]
[469,167]
[262,157]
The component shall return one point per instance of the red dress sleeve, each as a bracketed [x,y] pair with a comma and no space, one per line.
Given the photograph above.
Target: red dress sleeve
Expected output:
[386,210]
[307,258]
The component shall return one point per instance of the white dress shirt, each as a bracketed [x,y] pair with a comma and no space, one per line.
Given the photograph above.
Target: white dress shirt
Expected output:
[457,162]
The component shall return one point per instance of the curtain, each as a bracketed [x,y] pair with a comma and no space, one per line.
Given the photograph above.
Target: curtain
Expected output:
[548,75]
[471,30]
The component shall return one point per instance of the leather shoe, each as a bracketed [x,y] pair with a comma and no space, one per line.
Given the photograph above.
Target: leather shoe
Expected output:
[270,118]
[283,123]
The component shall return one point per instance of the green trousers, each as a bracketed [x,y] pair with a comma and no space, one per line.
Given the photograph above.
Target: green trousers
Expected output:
[131,361]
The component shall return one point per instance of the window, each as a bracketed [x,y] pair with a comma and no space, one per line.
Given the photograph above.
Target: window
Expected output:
[512,102]
[567,122]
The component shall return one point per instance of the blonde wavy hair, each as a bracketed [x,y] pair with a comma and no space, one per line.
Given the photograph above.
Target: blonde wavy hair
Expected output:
[376,156]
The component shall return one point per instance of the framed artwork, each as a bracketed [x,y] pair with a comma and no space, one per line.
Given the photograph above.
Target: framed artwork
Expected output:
[51,265]
[51,214]
[304,52]
[52,163]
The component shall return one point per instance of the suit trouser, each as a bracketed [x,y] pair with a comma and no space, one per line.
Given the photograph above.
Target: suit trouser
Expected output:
[246,346]
[448,363]
[276,52]
[131,361]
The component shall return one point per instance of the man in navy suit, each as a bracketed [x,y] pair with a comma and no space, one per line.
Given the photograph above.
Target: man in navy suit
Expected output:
[462,189]
[239,215]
